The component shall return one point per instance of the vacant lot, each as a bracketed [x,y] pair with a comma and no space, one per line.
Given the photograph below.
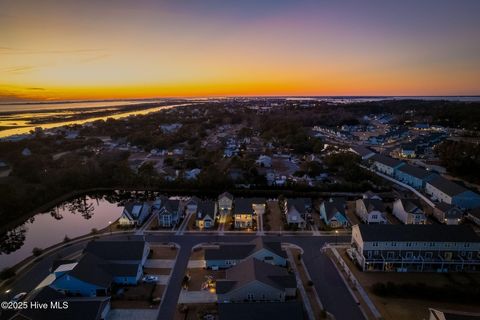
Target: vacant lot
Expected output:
[163,252]
[273,217]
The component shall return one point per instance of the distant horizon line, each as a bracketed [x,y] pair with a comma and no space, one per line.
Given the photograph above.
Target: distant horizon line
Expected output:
[17,102]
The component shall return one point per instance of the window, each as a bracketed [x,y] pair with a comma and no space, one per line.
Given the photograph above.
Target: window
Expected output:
[250,296]
[409,244]
[428,255]
[391,255]
[469,255]
[409,255]
[268,258]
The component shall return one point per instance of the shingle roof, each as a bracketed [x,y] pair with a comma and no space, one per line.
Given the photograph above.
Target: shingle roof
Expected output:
[374,205]
[415,171]
[361,151]
[89,269]
[204,208]
[243,205]
[411,205]
[260,311]
[241,251]
[122,269]
[421,233]
[256,270]
[446,186]
[227,195]
[390,162]
[332,207]
[117,250]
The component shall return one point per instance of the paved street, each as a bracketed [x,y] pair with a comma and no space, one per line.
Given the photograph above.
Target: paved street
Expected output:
[330,287]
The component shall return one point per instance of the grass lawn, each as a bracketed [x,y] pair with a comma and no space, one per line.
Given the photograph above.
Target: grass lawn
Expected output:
[162,252]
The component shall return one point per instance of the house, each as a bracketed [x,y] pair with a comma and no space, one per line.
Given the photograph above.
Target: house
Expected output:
[264,161]
[409,211]
[371,195]
[245,209]
[296,211]
[132,251]
[255,280]
[79,308]
[332,212]
[386,165]
[87,278]
[415,248]
[435,314]
[414,176]
[26,152]
[408,151]
[102,264]
[225,202]
[444,190]
[474,216]
[192,174]
[243,214]
[371,211]
[363,152]
[227,255]
[191,206]
[260,311]
[206,214]
[135,213]
[169,213]
[447,213]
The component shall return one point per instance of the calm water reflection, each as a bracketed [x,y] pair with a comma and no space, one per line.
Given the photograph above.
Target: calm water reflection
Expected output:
[73,218]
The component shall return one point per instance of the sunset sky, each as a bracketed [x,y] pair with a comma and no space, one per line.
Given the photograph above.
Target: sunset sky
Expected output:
[109,49]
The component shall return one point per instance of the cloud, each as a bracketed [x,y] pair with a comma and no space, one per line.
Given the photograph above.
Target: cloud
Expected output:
[36,89]
[15,51]
[18,69]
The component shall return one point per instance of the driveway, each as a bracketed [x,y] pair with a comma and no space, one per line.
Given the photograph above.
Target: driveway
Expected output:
[132,314]
[204,296]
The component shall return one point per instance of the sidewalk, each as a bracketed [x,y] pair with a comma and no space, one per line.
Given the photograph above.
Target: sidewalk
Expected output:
[301,288]
[353,285]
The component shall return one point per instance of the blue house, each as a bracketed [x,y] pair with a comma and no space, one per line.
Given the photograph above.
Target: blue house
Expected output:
[86,278]
[413,176]
[332,212]
[444,190]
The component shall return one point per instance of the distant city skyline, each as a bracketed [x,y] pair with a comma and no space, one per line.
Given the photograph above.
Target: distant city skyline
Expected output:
[67,50]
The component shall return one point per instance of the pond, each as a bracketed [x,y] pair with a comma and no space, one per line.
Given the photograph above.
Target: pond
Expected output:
[72,219]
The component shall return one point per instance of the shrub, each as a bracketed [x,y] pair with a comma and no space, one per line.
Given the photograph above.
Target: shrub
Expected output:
[7,273]
[37,251]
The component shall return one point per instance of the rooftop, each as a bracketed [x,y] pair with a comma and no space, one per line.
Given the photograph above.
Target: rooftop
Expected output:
[420,233]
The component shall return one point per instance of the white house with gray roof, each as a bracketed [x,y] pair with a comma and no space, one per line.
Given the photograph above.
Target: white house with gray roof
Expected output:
[371,211]
[386,165]
[228,255]
[254,280]
[409,211]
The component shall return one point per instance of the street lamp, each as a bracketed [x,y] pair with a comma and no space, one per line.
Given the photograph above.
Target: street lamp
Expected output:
[110,226]
[336,237]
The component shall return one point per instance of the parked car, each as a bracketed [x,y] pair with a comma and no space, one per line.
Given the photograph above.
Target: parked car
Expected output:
[19,297]
[150,279]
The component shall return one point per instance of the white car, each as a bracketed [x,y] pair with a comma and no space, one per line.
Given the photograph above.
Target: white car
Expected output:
[150,279]
[19,297]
